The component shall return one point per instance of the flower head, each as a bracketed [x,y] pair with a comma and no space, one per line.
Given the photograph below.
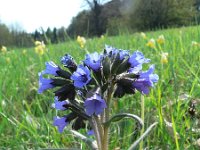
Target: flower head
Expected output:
[60,105]
[161,39]
[4,49]
[81,40]
[151,43]
[94,105]
[90,132]
[81,76]
[8,60]
[143,35]
[60,123]
[146,80]
[164,58]
[137,59]
[44,84]
[111,51]
[93,61]
[51,68]
[68,61]
[40,47]
[24,52]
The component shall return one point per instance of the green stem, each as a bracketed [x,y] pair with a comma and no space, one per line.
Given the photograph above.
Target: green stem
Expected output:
[142,117]
[96,132]
[105,139]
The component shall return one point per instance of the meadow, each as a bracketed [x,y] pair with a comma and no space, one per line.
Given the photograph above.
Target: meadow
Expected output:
[26,116]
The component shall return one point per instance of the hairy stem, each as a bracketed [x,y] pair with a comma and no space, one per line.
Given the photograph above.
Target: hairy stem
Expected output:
[105,139]
[142,117]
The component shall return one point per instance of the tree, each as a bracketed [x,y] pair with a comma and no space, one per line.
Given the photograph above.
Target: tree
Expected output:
[151,14]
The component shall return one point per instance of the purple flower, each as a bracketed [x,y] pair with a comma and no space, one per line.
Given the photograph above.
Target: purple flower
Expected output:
[68,61]
[51,68]
[137,58]
[146,80]
[81,76]
[44,84]
[123,54]
[60,105]
[111,51]
[60,123]
[90,132]
[94,105]
[93,61]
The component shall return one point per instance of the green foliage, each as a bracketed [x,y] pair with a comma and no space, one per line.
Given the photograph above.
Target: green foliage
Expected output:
[25,115]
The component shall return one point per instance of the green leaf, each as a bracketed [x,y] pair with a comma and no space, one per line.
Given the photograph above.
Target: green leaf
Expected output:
[118,117]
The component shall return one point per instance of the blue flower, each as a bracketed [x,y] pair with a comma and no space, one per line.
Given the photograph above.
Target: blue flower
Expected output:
[51,68]
[60,105]
[111,51]
[44,84]
[137,59]
[68,61]
[93,61]
[123,54]
[60,123]
[94,105]
[81,76]
[146,80]
[90,132]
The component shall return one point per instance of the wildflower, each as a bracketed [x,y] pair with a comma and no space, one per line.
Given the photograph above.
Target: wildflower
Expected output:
[161,39]
[94,105]
[93,61]
[44,84]
[146,80]
[81,76]
[8,60]
[81,40]
[4,49]
[60,123]
[90,132]
[24,52]
[137,59]
[143,35]
[60,105]
[195,44]
[164,58]
[40,48]
[51,68]
[112,52]
[102,37]
[37,43]
[151,43]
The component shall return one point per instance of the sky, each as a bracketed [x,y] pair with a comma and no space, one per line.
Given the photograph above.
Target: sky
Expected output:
[33,14]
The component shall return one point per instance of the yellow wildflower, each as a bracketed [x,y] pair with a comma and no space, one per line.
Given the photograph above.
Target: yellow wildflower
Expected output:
[195,44]
[81,40]
[151,43]
[164,58]
[40,47]
[8,60]
[37,43]
[4,49]
[24,52]
[161,39]
[143,35]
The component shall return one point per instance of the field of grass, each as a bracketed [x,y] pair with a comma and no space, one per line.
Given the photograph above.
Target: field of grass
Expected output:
[26,116]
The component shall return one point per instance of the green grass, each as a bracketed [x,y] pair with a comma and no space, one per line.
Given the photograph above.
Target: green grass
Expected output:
[26,117]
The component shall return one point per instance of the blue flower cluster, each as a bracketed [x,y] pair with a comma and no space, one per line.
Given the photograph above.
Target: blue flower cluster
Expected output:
[81,89]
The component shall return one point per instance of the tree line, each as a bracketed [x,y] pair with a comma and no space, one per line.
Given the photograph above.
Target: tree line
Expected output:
[111,18]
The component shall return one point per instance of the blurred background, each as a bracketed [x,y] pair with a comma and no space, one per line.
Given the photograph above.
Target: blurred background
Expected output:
[24,21]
